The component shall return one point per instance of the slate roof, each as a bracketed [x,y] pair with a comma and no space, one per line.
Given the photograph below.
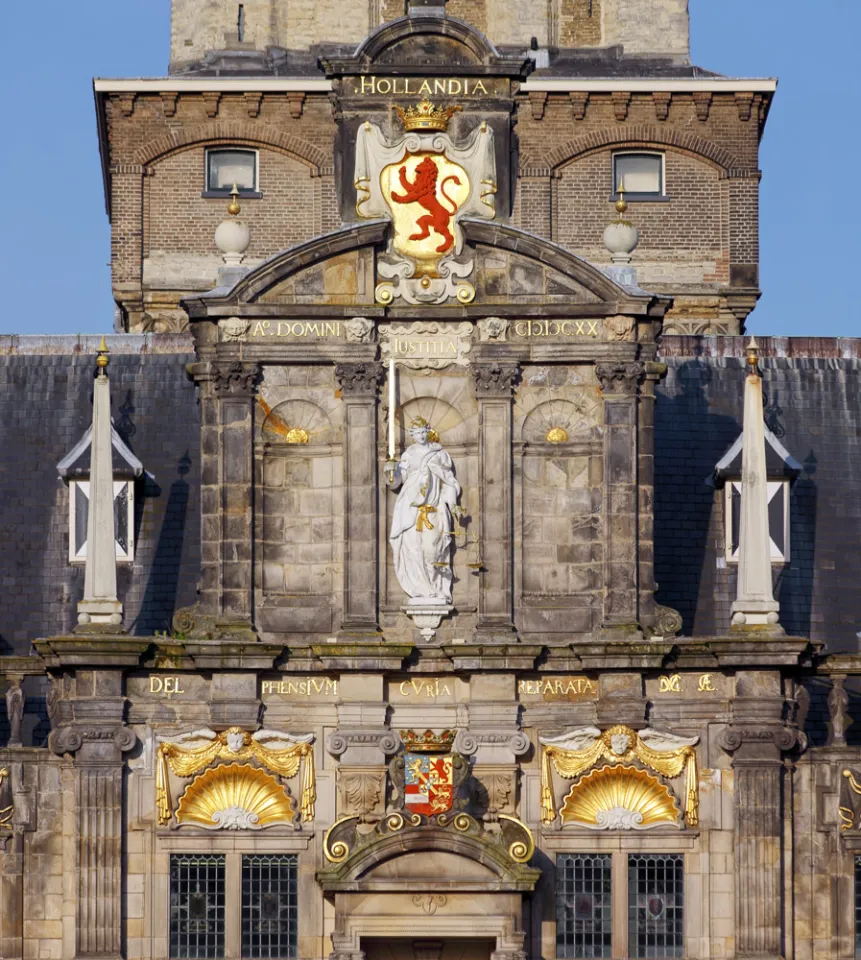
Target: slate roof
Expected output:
[813,406]
[45,408]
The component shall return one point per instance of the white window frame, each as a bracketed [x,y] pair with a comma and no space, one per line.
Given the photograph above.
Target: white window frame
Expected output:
[121,555]
[633,195]
[772,487]
[244,191]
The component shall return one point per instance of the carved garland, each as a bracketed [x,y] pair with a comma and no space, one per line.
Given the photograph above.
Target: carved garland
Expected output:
[580,750]
[190,753]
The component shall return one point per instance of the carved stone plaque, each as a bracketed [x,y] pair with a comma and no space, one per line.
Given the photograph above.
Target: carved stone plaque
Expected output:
[426,344]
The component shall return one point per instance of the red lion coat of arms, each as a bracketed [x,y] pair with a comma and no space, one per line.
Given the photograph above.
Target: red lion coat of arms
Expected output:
[423,191]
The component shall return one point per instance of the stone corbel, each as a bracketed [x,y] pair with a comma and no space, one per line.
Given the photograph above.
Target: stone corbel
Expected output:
[168,102]
[127,103]
[662,103]
[744,103]
[538,102]
[579,102]
[211,100]
[703,104]
[296,104]
[621,102]
[252,104]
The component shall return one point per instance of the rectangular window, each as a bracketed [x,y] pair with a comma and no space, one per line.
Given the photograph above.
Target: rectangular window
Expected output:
[640,174]
[583,905]
[269,909]
[224,168]
[197,906]
[656,917]
[124,512]
[778,519]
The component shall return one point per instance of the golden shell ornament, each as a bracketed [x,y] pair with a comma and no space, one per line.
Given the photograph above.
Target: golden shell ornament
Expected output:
[619,798]
[235,796]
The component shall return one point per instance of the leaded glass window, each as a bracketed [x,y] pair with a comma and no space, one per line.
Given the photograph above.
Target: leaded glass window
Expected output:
[858,906]
[269,906]
[656,926]
[583,905]
[197,906]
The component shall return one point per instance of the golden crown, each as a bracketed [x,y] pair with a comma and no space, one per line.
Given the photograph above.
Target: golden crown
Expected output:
[425,116]
[428,742]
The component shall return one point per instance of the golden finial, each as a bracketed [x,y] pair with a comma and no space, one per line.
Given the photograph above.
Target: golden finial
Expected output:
[753,355]
[234,208]
[621,203]
[102,358]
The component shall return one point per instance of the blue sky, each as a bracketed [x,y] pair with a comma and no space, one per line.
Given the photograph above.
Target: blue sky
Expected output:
[55,245]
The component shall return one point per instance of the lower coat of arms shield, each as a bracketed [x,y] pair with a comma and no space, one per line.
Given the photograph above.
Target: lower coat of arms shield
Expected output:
[428,783]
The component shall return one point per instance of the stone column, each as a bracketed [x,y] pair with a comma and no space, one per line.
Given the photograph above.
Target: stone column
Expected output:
[97,738]
[620,383]
[494,384]
[231,500]
[756,739]
[359,384]
[12,872]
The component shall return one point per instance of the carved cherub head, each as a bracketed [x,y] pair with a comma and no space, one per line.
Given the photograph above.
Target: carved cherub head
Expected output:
[620,743]
[235,739]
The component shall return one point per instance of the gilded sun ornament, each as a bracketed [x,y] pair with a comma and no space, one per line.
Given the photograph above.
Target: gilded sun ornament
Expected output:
[557,435]
[297,435]
[235,796]
[620,798]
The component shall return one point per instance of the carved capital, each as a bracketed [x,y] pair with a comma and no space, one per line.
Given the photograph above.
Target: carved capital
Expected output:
[467,743]
[236,378]
[623,377]
[359,379]
[495,379]
[72,739]
[784,738]
[339,742]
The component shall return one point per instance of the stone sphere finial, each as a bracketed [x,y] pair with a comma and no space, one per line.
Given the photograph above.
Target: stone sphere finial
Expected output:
[621,236]
[232,236]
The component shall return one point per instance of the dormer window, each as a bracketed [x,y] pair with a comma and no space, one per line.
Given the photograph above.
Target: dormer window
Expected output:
[226,167]
[74,468]
[782,470]
[641,175]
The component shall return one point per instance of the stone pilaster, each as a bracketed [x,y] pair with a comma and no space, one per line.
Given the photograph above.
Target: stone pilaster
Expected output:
[359,384]
[494,386]
[620,384]
[97,738]
[756,739]
[228,510]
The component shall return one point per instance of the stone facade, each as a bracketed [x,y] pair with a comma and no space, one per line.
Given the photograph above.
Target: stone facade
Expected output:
[283,750]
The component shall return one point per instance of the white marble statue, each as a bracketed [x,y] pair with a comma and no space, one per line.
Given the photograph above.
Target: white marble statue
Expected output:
[421,534]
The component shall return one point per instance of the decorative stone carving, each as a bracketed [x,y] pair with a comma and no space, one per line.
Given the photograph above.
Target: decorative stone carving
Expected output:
[468,743]
[619,798]
[387,741]
[191,753]
[15,711]
[359,379]
[359,330]
[234,329]
[422,522]
[495,379]
[437,345]
[235,378]
[493,330]
[732,738]
[619,328]
[622,377]
[838,711]
[70,739]
[362,792]
[235,797]
[574,753]
[430,903]
[667,622]
[495,790]
[423,183]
